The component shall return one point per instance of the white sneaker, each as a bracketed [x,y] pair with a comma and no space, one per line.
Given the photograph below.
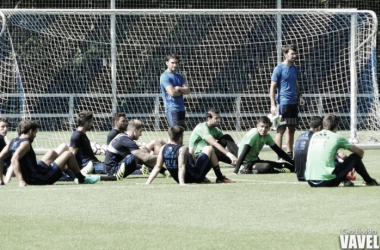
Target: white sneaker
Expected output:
[88,169]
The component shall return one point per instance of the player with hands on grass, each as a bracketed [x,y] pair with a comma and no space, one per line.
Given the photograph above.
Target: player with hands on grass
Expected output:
[209,134]
[252,144]
[181,164]
[46,171]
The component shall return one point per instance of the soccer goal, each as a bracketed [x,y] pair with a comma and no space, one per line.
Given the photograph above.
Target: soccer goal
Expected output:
[55,63]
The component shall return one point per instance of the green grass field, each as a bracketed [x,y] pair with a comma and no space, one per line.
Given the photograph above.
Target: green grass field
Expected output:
[256,212]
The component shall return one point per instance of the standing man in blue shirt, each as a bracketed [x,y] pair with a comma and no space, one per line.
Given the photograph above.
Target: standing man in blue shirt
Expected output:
[173,86]
[284,80]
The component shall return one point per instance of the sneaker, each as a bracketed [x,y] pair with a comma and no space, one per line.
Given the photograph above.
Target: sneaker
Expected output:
[144,170]
[372,183]
[120,173]
[223,180]
[88,169]
[88,179]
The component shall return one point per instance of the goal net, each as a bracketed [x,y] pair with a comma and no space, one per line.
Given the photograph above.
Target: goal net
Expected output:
[55,63]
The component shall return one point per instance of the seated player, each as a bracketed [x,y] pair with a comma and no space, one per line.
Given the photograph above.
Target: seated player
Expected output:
[180,163]
[252,144]
[44,172]
[208,133]
[3,132]
[120,125]
[302,145]
[321,170]
[80,145]
[124,152]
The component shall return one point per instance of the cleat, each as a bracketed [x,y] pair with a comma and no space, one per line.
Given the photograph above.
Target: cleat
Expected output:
[282,170]
[372,183]
[144,170]
[120,173]
[206,181]
[88,169]
[88,179]
[223,180]
[348,183]
[247,170]
[167,174]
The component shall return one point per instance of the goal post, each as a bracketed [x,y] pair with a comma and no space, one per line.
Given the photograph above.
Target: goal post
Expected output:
[55,63]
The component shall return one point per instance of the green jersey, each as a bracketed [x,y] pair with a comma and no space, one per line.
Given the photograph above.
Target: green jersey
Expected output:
[320,161]
[257,142]
[200,133]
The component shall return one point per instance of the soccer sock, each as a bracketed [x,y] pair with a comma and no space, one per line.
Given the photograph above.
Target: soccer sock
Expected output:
[80,177]
[70,173]
[162,171]
[218,173]
[290,155]
[108,178]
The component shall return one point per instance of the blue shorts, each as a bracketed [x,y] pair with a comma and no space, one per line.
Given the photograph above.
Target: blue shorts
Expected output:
[131,167]
[289,114]
[50,174]
[99,167]
[196,173]
[176,118]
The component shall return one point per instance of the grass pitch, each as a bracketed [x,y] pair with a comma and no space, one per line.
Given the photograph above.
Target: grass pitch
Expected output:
[256,212]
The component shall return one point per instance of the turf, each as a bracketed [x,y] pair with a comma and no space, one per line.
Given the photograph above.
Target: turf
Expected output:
[256,212]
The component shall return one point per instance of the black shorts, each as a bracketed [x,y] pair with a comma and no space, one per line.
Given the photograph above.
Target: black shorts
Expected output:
[51,174]
[289,114]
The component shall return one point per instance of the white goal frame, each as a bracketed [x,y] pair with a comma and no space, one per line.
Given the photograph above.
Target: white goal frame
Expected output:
[157,115]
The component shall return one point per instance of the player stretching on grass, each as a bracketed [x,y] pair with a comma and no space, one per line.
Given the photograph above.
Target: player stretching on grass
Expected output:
[123,152]
[44,172]
[284,79]
[251,146]
[173,87]
[321,170]
[180,163]
[80,146]
[208,133]
[120,125]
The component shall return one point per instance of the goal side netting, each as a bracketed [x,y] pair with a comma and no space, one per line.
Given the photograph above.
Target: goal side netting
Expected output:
[55,63]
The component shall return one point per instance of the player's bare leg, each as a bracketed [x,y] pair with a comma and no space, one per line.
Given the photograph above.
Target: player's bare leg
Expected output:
[279,134]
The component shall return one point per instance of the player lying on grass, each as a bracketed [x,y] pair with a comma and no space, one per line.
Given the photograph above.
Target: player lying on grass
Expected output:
[208,133]
[321,170]
[180,163]
[123,152]
[252,144]
[44,172]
